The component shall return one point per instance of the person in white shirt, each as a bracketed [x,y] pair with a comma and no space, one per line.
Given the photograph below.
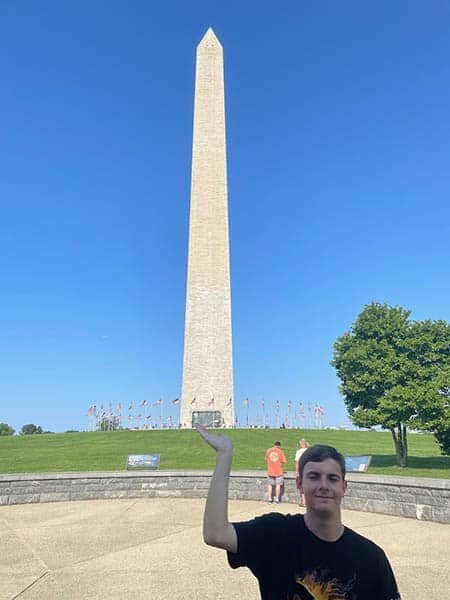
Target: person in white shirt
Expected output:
[303,445]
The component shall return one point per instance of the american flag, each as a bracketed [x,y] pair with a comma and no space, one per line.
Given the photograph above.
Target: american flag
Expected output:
[158,402]
[211,402]
[193,400]
[143,403]
[289,405]
[245,402]
[230,401]
[176,401]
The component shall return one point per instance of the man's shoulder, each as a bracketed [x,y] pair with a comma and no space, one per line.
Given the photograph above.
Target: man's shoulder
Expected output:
[276,519]
[361,542]
[285,524]
[273,526]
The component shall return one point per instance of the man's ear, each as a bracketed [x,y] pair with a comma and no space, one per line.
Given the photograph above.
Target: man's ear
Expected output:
[345,486]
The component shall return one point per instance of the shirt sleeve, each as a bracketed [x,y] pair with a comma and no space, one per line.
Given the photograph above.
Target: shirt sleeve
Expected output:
[386,579]
[254,538]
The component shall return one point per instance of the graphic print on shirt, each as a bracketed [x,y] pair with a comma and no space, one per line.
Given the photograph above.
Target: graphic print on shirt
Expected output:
[316,587]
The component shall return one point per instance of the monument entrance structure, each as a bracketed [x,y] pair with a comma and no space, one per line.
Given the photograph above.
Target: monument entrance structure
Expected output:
[207,388]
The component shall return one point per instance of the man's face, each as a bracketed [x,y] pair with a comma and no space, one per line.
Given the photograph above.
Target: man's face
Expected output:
[323,486]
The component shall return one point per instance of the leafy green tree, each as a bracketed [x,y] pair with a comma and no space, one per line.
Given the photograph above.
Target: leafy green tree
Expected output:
[394,372]
[30,429]
[442,434]
[6,429]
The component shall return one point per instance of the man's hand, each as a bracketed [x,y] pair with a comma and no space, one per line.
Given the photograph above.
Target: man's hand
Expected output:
[220,443]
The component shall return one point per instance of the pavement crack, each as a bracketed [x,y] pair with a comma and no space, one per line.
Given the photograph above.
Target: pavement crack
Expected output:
[30,585]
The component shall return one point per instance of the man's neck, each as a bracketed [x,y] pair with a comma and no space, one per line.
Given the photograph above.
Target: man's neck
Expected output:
[326,527]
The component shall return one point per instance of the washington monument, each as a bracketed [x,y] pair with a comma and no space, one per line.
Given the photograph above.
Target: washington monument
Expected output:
[207,392]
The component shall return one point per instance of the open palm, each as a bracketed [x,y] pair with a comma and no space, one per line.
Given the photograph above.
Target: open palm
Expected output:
[219,442]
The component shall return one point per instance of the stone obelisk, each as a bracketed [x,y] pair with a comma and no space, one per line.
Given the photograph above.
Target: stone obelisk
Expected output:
[207,392]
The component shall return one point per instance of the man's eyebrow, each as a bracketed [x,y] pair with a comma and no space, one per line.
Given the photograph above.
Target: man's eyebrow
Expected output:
[313,472]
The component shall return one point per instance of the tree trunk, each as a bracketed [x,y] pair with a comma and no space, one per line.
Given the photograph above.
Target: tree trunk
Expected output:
[405,443]
[401,444]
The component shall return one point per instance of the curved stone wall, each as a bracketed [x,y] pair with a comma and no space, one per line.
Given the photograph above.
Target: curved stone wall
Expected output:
[425,499]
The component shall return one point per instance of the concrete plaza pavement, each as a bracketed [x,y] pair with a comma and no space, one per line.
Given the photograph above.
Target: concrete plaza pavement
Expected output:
[152,548]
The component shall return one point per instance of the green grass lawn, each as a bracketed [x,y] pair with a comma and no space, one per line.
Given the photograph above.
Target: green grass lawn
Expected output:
[184,449]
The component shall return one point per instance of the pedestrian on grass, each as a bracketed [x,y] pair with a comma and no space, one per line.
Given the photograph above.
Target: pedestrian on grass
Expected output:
[275,460]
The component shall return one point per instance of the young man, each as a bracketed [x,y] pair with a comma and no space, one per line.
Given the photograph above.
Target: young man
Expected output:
[275,460]
[296,557]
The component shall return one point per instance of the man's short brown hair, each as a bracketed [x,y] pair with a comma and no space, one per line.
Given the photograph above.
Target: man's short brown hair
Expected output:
[319,453]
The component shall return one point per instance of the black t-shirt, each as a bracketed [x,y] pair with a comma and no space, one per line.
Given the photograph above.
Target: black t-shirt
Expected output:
[291,563]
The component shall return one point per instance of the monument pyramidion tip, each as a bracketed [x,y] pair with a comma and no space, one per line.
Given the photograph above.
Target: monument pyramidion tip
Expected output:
[210,39]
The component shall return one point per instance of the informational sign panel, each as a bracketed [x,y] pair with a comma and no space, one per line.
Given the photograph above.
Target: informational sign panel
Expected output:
[143,461]
[357,464]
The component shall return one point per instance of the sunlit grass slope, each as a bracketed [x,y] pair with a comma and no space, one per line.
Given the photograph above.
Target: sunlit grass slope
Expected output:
[100,451]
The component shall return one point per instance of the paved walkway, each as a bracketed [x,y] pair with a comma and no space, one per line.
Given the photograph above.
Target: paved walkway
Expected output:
[152,548]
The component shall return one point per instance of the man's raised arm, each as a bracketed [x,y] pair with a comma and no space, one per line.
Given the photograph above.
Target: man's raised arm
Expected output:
[217,530]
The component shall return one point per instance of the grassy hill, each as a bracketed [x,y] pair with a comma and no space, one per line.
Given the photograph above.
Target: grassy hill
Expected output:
[184,449]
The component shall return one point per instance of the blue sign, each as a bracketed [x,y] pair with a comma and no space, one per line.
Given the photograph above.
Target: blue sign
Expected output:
[143,461]
[357,464]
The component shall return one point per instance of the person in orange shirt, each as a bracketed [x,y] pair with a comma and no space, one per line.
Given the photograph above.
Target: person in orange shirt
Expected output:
[275,460]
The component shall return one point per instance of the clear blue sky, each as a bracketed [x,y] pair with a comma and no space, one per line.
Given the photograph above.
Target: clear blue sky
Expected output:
[338,135]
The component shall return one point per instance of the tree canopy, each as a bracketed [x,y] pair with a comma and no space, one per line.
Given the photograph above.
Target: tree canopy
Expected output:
[395,372]
[30,429]
[6,429]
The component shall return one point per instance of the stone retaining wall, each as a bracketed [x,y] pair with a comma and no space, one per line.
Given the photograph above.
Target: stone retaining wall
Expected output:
[426,499]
